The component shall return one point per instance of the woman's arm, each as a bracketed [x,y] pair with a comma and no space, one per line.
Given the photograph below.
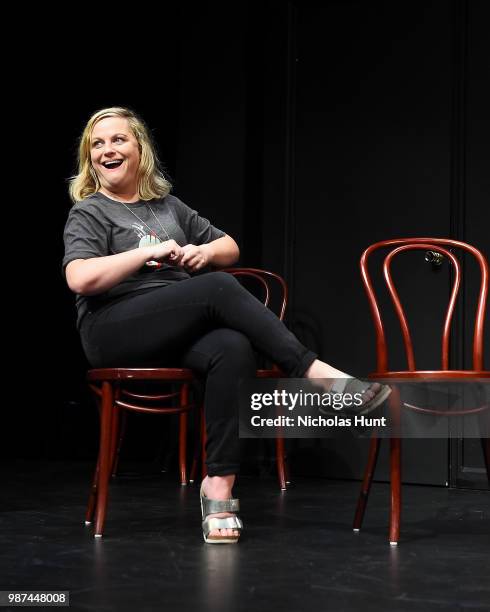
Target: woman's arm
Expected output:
[221,252]
[99,274]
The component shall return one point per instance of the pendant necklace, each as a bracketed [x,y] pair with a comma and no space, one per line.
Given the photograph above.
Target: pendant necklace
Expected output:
[152,232]
[151,264]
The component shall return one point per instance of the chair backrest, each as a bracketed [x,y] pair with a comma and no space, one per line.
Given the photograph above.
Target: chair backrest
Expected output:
[429,244]
[265,280]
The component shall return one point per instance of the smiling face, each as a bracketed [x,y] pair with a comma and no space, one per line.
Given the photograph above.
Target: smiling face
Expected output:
[115,156]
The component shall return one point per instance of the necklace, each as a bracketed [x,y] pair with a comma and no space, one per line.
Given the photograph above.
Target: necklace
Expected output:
[152,232]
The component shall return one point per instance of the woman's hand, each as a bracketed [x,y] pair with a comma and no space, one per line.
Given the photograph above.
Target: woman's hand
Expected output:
[168,251]
[195,257]
[98,274]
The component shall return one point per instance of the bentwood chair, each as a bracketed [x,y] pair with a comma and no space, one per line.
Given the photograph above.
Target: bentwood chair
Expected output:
[115,395]
[439,247]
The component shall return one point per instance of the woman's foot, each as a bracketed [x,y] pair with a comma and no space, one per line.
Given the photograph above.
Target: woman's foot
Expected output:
[219,488]
[331,376]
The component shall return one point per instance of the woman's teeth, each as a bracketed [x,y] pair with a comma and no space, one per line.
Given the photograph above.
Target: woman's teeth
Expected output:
[113,164]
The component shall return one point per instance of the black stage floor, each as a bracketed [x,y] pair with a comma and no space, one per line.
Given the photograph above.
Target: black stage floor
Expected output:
[298,551]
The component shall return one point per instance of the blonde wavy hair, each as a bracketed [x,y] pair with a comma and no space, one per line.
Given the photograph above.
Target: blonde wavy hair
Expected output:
[151,181]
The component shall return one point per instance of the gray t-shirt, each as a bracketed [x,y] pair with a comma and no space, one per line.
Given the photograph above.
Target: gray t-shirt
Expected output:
[99,226]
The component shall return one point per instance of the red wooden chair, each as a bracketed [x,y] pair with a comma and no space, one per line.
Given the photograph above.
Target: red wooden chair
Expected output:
[402,245]
[108,384]
[115,395]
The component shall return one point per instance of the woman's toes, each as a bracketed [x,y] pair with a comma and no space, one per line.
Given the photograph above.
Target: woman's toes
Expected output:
[226,532]
[372,391]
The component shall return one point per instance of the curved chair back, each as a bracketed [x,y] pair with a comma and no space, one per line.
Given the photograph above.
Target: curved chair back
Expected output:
[438,245]
[263,278]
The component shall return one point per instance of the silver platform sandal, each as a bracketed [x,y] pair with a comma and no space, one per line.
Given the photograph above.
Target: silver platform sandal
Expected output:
[212,506]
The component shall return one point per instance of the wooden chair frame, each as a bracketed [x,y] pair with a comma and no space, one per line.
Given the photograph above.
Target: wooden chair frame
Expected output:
[382,372]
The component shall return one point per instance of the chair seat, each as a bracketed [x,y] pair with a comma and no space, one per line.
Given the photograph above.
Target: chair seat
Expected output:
[270,373]
[432,374]
[140,374]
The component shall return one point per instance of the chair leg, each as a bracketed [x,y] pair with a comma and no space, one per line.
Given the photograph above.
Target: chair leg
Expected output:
[197,445]
[184,400]
[395,467]
[183,448]
[193,473]
[286,469]
[122,432]
[367,481]
[281,468]
[92,500]
[104,457]
[395,478]
[114,438]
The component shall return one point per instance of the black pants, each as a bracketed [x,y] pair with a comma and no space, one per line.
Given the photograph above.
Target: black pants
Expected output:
[209,323]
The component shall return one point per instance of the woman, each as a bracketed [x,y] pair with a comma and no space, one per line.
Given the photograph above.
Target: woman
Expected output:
[130,251]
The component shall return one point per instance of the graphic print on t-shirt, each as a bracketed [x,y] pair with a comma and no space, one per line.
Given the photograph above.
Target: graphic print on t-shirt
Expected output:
[145,239]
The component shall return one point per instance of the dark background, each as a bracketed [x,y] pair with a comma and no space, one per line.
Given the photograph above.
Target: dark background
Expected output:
[306,131]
